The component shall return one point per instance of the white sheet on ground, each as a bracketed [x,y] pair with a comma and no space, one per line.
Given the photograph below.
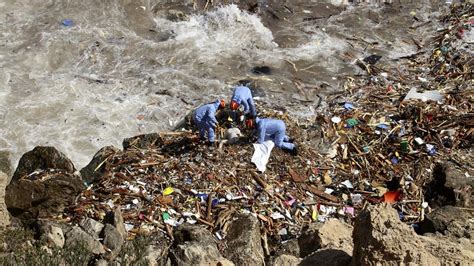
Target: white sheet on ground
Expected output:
[262,154]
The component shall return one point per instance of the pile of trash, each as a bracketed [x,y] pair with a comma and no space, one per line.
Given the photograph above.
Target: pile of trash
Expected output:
[375,141]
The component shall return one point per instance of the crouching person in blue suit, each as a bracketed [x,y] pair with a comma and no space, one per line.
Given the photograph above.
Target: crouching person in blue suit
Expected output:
[272,129]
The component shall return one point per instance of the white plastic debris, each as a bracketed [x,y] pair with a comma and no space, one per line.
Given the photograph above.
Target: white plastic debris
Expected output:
[348,184]
[262,154]
[424,96]
[134,189]
[328,190]
[419,141]
[356,198]
[283,232]
[336,119]
[191,221]
[110,203]
[277,215]
[128,227]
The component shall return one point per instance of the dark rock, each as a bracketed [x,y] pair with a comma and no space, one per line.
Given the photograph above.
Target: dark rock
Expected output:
[327,257]
[112,240]
[42,195]
[331,234]
[448,220]
[42,158]
[244,241]
[95,169]
[372,59]
[91,226]
[115,218]
[261,70]
[194,245]
[146,141]
[77,237]
[449,186]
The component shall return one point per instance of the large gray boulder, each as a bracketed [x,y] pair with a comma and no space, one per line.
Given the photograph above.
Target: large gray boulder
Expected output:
[91,226]
[244,246]
[332,234]
[113,241]
[115,218]
[449,220]
[42,158]
[451,185]
[381,238]
[78,237]
[51,234]
[194,245]
[44,194]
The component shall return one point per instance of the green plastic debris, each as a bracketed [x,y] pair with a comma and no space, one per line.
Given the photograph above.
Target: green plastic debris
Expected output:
[351,122]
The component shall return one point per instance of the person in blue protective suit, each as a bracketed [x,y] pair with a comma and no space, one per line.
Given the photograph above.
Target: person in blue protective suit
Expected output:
[205,119]
[272,129]
[243,96]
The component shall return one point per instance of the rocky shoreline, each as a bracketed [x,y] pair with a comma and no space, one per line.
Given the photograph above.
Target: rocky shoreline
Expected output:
[376,236]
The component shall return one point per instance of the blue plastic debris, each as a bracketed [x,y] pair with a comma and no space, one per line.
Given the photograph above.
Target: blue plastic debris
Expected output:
[401,216]
[394,160]
[348,106]
[215,202]
[67,22]
[202,196]
[430,149]
[382,126]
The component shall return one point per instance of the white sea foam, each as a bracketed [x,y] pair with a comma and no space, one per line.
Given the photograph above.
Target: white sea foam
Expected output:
[83,87]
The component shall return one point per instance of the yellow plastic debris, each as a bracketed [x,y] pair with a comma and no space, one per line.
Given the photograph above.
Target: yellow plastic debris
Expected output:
[168,191]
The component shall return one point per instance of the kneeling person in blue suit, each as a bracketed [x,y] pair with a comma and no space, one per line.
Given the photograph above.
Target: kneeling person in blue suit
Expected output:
[272,129]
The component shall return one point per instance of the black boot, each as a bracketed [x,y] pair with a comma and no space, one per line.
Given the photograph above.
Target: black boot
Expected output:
[294,151]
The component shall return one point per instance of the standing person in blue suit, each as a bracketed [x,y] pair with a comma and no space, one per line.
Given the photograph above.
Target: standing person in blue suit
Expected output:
[205,119]
[242,96]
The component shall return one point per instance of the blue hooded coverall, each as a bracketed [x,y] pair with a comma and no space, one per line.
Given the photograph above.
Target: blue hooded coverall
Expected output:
[205,119]
[243,96]
[273,129]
